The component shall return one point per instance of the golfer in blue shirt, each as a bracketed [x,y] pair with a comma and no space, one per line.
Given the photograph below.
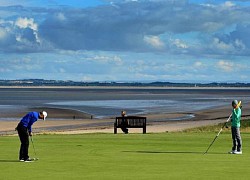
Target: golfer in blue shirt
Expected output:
[24,129]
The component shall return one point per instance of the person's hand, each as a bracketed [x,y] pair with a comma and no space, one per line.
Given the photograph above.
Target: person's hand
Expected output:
[238,105]
[30,133]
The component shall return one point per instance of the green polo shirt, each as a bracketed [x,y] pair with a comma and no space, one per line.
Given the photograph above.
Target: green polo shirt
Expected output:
[236,117]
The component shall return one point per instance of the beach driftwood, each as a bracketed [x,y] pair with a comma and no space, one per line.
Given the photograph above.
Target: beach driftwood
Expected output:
[130,122]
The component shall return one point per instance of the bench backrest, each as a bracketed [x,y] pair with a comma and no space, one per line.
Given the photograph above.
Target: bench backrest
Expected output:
[131,121]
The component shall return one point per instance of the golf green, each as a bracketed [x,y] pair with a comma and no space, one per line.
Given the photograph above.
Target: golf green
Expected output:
[130,156]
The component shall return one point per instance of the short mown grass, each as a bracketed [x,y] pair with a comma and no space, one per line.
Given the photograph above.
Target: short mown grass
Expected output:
[131,156]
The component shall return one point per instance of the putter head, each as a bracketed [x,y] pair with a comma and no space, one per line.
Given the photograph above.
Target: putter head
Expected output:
[34,159]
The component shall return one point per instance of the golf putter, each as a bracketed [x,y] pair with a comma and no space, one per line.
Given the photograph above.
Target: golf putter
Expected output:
[35,158]
[238,105]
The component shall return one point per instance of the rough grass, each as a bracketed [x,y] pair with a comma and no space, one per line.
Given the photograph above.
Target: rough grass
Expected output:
[245,127]
[131,156]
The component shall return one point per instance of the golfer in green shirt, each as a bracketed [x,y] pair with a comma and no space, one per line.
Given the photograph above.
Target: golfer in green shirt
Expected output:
[235,128]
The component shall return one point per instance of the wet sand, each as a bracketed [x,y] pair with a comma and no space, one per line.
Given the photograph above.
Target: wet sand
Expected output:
[156,123]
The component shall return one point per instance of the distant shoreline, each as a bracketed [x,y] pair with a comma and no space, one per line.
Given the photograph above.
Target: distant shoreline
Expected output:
[120,87]
[51,82]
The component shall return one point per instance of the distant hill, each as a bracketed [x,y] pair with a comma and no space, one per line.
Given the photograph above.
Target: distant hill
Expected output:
[42,82]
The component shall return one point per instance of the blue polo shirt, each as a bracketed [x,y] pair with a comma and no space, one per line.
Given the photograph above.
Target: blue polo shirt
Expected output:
[29,119]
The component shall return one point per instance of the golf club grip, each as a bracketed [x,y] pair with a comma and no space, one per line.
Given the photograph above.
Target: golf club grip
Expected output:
[238,105]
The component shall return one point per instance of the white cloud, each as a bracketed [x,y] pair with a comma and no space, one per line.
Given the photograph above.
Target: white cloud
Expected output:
[18,38]
[61,16]
[136,26]
[24,23]
[118,60]
[180,44]
[106,59]
[198,64]
[239,44]
[226,66]
[228,4]
[220,45]
[154,41]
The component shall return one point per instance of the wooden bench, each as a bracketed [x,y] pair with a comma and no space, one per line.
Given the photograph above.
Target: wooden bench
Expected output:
[131,122]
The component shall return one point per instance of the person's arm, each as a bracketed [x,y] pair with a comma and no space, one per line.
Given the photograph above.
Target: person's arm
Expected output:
[30,129]
[32,119]
[237,114]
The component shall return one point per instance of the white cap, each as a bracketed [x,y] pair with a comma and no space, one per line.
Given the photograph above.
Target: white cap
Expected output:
[45,114]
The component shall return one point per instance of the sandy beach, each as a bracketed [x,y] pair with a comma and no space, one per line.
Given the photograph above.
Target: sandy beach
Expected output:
[156,123]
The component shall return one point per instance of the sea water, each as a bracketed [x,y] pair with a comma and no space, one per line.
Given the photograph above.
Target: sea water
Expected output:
[107,102]
[102,108]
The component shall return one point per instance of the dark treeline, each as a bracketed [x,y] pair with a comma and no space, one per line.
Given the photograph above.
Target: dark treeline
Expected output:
[42,82]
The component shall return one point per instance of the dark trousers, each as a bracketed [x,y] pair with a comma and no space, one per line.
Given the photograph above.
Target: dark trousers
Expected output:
[123,126]
[24,138]
[237,142]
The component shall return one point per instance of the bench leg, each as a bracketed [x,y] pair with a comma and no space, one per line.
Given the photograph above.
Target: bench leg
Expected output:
[144,129]
[115,129]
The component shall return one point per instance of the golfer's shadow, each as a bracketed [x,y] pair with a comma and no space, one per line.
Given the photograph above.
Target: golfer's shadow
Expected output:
[170,152]
[8,161]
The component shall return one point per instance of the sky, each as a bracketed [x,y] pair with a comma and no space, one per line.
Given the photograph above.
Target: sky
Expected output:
[125,40]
